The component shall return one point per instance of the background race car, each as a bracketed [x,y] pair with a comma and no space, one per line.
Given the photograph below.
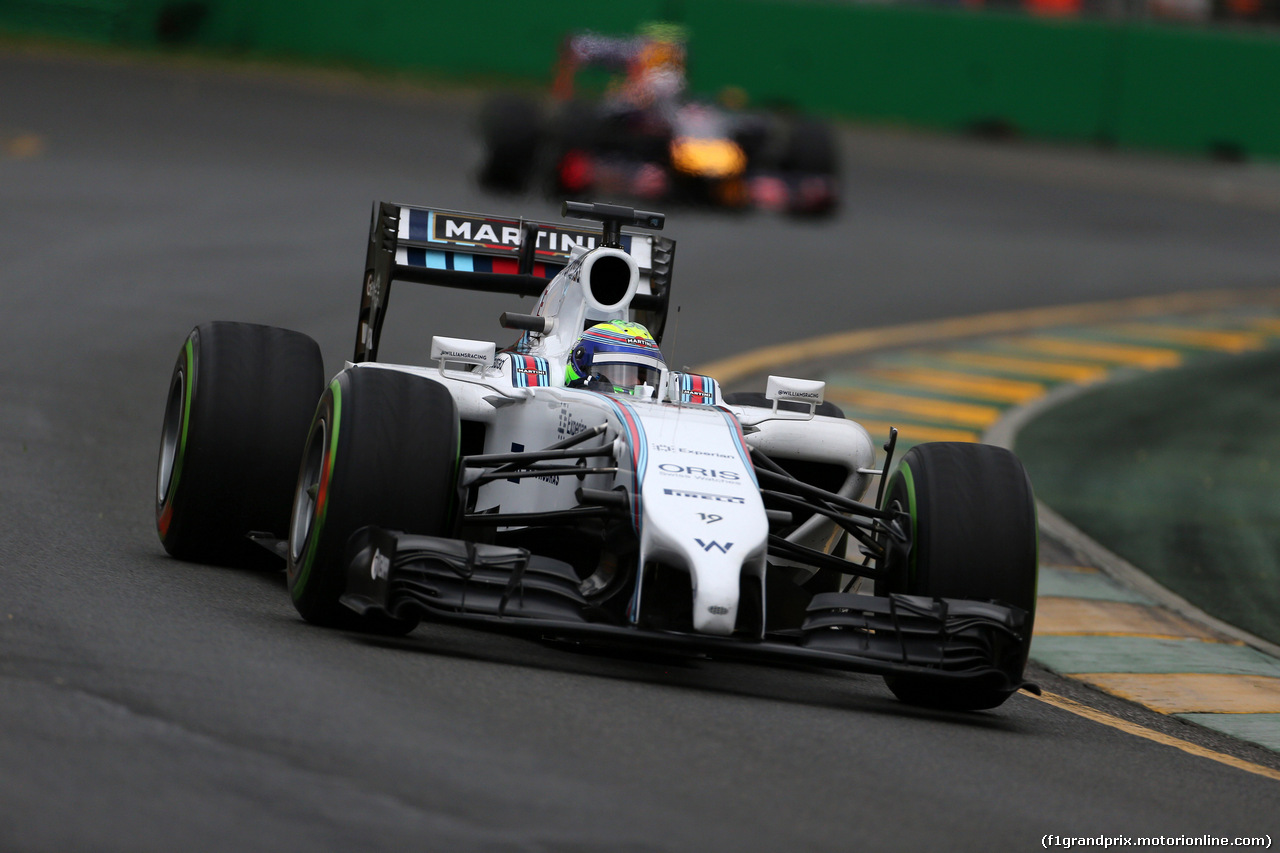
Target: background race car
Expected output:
[645,138]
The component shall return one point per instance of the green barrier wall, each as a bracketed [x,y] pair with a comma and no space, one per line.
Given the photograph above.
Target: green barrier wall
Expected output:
[513,39]
[914,66]
[1175,88]
[1196,91]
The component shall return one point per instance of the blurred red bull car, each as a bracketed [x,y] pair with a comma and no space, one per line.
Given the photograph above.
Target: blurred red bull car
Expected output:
[644,138]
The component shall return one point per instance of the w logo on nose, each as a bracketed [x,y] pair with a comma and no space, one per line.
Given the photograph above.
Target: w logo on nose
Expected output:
[707,546]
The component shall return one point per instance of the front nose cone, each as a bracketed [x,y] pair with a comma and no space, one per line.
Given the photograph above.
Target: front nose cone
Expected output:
[715,603]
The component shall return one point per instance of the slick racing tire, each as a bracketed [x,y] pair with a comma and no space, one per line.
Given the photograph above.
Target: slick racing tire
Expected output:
[973,536]
[811,148]
[511,127]
[240,399]
[757,398]
[579,125]
[382,450]
[577,139]
[812,158]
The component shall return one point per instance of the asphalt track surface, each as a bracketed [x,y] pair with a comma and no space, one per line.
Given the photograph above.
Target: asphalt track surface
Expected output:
[147,704]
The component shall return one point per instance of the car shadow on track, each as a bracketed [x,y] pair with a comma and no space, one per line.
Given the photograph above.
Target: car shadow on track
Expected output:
[803,685]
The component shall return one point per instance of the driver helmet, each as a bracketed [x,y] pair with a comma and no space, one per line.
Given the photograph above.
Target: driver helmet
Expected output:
[615,357]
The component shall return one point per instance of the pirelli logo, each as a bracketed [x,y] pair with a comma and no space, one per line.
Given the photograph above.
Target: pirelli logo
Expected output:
[681,493]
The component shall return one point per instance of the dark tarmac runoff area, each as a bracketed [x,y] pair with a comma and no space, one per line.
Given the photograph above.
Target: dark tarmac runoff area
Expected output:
[1176,472]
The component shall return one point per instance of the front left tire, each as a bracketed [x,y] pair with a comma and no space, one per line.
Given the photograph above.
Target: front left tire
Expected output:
[381,450]
[974,536]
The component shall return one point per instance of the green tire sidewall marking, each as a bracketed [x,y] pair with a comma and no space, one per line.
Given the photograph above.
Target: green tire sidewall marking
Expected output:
[188,391]
[326,477]
[905,472]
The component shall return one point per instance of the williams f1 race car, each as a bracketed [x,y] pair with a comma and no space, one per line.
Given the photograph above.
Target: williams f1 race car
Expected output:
[572,486]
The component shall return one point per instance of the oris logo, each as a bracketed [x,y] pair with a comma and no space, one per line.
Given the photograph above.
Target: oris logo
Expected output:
[695,471]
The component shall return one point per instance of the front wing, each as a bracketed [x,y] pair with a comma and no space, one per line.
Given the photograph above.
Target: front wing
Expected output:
[408,576]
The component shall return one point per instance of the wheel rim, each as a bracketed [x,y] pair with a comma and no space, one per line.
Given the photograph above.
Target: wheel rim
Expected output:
[306,496]
[171,437]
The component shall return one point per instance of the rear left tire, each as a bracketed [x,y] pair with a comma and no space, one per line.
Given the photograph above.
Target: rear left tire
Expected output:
[511,127]
[240,399]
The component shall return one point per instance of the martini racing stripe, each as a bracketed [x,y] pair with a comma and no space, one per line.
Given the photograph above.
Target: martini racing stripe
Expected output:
[444,260]
[529,371]
[697,389]
[415,226]
[639,454]
[464,262]
[603,333]
[639,459]
[740,442]
[491,248]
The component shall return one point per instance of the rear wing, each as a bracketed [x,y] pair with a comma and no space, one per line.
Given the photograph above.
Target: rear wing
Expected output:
[472,251]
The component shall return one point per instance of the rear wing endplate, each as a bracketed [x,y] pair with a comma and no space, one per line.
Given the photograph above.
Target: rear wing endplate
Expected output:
[449,248]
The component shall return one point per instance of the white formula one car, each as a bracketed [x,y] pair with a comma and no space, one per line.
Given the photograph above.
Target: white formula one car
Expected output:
[643,506]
